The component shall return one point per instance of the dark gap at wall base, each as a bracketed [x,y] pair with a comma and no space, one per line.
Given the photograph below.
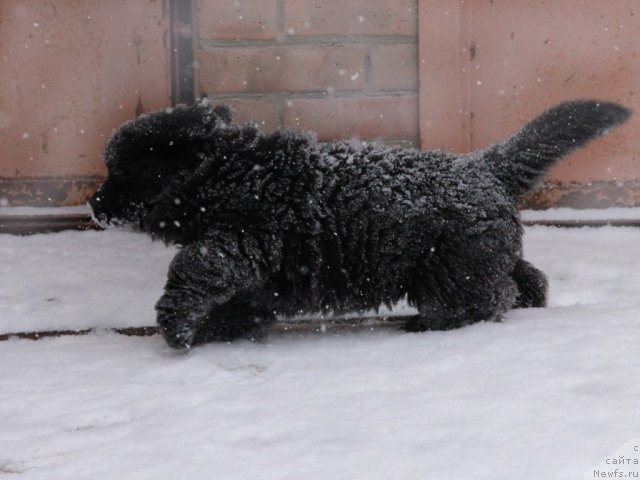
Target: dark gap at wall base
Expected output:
[282,327]
[47,191]
[58,192]
[596,194]
[67,191]
[32,224]
[182,51]
[129,332]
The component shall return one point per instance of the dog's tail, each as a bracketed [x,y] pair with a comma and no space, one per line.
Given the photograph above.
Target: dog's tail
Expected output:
[522,160]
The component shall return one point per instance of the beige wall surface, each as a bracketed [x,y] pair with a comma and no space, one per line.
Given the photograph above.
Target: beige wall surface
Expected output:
[70,73]
[340,68]
[488,66]
[439,73]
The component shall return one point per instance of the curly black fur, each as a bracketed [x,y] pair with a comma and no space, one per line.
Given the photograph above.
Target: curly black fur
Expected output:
[282,224]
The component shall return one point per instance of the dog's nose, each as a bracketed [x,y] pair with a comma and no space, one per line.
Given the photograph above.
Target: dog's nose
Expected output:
[94,203]
[96,195]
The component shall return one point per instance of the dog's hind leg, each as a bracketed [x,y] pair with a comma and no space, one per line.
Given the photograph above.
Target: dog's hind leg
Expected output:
[456,310]
[464,279]
[532,285]
[206,285]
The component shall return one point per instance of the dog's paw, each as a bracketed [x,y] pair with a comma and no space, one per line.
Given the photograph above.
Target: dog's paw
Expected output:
[433,321]
[182,337]
[415,324]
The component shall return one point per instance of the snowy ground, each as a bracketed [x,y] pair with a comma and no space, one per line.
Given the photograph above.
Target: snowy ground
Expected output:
[546,394]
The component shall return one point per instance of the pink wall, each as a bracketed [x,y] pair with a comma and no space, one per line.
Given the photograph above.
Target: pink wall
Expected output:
[71,72]
[435,73]
[339,68]
[489,66]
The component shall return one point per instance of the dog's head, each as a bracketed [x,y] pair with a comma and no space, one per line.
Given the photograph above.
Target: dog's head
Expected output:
[144,154]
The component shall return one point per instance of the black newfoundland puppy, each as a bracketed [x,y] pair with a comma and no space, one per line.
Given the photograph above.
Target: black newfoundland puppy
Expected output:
[283,224]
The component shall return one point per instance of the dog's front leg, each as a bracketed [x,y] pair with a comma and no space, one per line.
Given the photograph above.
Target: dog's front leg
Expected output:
[208,291]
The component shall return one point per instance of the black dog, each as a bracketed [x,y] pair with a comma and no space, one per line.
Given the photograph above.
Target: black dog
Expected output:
[282,224]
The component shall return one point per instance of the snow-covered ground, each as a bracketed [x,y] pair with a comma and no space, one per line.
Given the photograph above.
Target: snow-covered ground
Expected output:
[75,280]
[587,214]
[546,394]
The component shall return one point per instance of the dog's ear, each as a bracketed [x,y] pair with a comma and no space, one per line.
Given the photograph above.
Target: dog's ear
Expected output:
[223,112]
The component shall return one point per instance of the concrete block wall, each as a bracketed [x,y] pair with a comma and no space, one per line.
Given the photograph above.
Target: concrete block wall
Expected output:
[342,68]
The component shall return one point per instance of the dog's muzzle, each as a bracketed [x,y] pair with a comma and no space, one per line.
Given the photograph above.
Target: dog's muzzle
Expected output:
[97,215]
